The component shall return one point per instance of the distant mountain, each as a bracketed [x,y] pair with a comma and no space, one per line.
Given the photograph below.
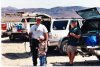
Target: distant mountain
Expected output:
[8,9]
[56,12]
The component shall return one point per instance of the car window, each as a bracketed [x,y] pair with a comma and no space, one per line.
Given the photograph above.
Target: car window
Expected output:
[60,25]
[30,20]
[23,20]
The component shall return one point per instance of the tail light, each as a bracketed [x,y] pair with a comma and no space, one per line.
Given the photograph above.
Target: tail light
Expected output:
[4,26]
[19,30]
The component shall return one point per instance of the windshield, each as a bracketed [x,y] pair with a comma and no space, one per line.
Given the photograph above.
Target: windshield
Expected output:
[91,25]
[60,25]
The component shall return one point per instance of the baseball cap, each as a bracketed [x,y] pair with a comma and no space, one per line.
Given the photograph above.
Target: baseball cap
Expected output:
[73,21]
[38,18]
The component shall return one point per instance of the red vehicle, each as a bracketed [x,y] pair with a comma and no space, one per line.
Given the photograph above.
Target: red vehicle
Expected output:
[3,29]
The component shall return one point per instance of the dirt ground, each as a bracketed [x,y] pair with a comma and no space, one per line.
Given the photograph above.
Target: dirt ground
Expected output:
[14,54]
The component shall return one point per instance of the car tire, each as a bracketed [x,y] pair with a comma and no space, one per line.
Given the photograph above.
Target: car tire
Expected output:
[97,54]
[98,57]
[63,47]
[11,38]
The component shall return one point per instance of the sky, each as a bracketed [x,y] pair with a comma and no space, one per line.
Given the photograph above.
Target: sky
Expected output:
[49,3]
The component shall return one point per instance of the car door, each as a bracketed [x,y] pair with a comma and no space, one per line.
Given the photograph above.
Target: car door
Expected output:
[59,29]
[88,13]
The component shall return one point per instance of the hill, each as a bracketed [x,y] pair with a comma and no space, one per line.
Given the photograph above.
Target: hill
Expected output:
[56,12]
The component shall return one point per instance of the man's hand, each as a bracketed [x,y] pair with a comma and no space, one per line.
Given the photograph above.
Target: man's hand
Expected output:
[41,40]
[72,34]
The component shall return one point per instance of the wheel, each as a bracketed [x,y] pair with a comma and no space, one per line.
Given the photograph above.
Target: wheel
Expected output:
[11,38]
[98,57]
[98,54]
[63,47]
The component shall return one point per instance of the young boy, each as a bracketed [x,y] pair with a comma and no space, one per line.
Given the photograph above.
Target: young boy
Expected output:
[42,53]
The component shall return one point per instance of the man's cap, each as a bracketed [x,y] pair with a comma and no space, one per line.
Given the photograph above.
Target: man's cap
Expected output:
[73,21]
[38,18]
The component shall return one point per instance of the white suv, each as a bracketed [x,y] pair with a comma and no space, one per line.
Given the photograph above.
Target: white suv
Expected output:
[59,29]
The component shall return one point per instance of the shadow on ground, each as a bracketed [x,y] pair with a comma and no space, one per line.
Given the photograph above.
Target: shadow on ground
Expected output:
[14,41]
[83,63]
[14,56]
[52,51]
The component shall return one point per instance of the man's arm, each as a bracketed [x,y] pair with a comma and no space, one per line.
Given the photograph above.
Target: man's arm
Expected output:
[78,35]
[74,35]
[46,36]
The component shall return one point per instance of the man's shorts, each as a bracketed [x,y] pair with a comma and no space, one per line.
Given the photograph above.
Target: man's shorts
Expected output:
[71,48]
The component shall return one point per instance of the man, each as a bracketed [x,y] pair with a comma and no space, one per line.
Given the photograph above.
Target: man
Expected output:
[74,35]
[36,32]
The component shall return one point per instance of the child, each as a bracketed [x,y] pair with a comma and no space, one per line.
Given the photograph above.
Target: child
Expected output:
[42,53]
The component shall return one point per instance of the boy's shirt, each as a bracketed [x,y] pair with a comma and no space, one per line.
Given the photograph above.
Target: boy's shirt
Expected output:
[42,48]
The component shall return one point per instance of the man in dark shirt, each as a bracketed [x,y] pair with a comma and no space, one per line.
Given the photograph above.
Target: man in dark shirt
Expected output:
[74,35]
[73,40]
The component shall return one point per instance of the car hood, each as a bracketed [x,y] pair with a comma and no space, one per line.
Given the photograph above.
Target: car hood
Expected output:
[90,13]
